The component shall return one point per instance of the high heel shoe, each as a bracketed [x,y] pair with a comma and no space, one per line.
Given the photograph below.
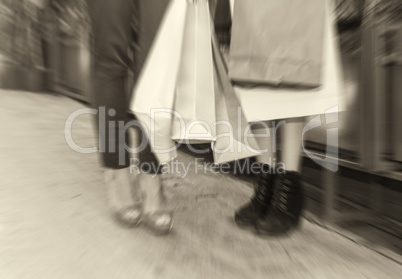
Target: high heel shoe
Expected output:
[129,216]
[125,204]
[155,216]
[161,221]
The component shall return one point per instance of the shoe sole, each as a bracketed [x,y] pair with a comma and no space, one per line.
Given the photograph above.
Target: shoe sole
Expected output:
[287,233]
[244,225]
[126,224]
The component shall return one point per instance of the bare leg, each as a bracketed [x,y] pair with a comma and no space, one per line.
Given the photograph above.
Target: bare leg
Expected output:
[155,215]
[123,190]
[292,143]
[118,182]
[266,141]
[148,188]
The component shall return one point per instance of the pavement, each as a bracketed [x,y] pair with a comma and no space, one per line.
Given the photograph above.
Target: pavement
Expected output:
[55,223]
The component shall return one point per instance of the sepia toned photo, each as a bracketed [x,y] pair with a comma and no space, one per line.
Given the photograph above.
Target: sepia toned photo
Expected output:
[200,139]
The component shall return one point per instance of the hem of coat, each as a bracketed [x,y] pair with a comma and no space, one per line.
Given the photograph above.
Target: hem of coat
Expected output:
[275,72]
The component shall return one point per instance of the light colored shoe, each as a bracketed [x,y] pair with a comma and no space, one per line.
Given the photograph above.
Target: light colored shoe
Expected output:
[155,216]
[124,201]
[130,216]
[161,221]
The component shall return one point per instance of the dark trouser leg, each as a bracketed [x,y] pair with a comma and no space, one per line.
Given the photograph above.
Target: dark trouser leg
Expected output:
[111,26]
[111,34]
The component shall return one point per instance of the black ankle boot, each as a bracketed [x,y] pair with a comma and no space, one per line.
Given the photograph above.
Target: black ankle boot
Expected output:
[284,212]
[249,213]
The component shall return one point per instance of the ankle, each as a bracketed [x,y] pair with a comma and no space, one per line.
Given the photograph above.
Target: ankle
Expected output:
[120,188]
[152,191]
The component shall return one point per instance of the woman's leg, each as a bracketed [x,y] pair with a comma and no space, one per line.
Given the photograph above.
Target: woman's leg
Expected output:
[111,23]
[292,143]
[248,214]
[283,212]
[112,29]
[150,14]
[266,141]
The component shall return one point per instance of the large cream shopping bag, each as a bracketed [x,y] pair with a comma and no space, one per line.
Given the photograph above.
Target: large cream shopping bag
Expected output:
[270,103]
[153,96]
[234,140]
[277,42]
[195,92]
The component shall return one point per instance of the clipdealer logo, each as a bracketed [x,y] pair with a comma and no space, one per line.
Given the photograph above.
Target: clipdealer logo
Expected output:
[329,161]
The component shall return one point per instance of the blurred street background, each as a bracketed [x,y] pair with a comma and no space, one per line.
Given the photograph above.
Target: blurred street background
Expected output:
[54,221]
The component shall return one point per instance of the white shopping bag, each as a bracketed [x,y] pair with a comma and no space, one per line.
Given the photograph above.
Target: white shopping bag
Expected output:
[153,96]
[270,103]
[162,79]
[195,95]
[234,140]
[232,6]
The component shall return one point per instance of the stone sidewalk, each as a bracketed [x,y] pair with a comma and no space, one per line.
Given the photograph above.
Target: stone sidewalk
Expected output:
[54,221]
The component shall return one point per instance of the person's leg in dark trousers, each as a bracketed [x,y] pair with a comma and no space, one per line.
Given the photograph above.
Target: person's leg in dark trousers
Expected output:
[111,27]
[110,22]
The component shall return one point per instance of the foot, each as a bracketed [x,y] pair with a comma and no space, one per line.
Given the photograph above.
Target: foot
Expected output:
[124,200]
[156,217]
[248,214]
[283,213]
